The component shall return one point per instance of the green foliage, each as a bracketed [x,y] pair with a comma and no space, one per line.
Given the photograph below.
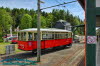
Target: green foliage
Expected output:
[34,21]
[43,22]
[26,22]
[5,21]
[1,40]
[1,34]
[50,22]
[28,18]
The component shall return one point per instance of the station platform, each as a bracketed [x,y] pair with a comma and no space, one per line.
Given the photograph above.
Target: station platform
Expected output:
[98,53]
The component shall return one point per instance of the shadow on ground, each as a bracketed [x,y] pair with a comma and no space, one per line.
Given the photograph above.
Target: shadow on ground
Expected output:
[29,54]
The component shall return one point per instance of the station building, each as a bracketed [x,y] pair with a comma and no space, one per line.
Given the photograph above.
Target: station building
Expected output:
[92,20]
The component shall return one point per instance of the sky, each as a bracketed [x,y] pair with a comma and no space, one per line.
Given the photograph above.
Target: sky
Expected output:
[74,8]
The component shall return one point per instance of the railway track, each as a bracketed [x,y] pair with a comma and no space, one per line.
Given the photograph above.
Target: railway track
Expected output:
[69,60]
[60,57]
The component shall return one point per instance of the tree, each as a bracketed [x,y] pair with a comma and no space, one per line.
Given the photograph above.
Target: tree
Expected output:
[49,21]
[5,22]
[26,22]
[34,21]
[43,22]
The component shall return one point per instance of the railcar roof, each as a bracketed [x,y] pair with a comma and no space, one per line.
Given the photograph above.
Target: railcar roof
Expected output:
[45,29]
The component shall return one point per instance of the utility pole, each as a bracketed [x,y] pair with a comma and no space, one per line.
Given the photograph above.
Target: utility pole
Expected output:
[38,33]
[39,26]
[11,31]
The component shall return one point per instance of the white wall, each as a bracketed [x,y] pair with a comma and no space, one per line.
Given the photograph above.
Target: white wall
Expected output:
[97,3]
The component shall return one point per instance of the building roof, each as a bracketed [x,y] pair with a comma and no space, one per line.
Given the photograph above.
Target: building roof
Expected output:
[82,2]
[44,29]
[61,20]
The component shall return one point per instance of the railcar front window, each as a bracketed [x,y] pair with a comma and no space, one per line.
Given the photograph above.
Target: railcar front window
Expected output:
[66,35]
[35,36]
[69,35]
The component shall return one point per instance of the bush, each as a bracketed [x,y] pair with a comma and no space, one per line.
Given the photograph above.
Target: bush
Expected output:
[1,40]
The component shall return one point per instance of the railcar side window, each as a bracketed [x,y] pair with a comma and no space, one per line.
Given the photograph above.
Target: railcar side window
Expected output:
[47,35]
[24,36]
[63,36]
[53,35]
[35,36]
[59,35]
[30,36]
[56,36]
[44,36]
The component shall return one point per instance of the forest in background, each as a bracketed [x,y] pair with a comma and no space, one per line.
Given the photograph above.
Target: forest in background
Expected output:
[24,18]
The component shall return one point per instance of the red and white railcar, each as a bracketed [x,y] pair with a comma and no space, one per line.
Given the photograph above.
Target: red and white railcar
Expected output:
[27,38]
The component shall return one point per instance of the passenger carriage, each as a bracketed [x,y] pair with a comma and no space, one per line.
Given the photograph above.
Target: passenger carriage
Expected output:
[51,37]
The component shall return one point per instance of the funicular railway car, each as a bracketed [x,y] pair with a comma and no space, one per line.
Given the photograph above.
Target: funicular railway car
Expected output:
[50,38]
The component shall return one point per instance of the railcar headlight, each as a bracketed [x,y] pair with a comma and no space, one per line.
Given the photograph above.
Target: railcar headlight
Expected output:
[22,46]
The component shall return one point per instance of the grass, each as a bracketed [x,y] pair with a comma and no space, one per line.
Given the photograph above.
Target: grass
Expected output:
[2,47]
[16,49]
[4,43]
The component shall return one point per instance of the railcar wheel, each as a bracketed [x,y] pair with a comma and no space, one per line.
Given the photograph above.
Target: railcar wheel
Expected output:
[69,45]
[34,51]
[54,48]
[64,46]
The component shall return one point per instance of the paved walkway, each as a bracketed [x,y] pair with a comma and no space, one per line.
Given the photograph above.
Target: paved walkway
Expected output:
[98,54]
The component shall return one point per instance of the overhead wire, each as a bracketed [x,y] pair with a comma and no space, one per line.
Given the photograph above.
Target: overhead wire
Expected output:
[58,5]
